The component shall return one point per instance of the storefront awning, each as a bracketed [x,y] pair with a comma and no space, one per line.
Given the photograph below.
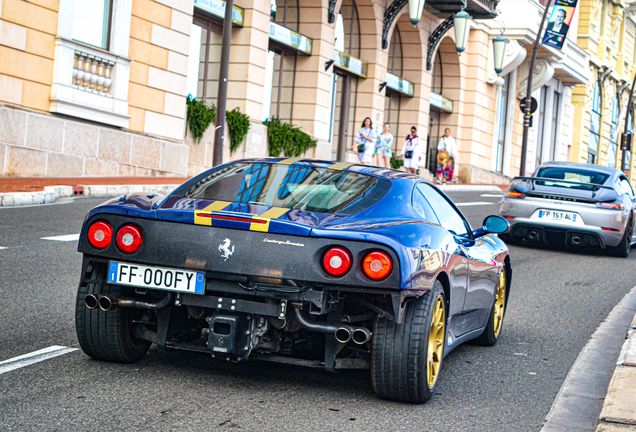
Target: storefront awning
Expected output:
[217,8]
[350,64]
[290,38]
[398,84]
[441,102]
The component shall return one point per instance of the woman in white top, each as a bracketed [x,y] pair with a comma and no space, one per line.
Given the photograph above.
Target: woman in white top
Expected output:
[384,146]
[445,171]
[411,151]
[364,144]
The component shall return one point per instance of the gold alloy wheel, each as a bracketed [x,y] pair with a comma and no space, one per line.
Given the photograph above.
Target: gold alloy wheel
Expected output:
[436,342]
[500,303]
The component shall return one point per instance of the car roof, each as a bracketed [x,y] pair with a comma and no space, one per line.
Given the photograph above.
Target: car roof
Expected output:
[597,168]
[386,173]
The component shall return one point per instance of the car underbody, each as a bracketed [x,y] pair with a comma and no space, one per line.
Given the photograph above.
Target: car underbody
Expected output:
[264,318]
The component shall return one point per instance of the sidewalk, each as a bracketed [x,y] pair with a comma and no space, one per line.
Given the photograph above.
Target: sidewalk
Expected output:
[17,191]
[619,408]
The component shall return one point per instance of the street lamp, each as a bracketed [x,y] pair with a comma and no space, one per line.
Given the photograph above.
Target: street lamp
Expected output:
[415,10]
[499,45]
[461,22]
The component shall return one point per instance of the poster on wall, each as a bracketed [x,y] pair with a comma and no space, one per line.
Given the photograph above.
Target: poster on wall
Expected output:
[559,23]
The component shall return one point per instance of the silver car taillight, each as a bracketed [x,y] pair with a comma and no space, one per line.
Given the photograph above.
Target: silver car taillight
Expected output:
[515,194]
[611,205]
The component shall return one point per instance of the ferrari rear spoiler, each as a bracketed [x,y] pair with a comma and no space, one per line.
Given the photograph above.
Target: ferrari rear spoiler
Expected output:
[520,184]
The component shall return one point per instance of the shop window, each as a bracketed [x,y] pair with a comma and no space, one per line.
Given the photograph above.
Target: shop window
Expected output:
[614,134]
[595,125]
[502,120]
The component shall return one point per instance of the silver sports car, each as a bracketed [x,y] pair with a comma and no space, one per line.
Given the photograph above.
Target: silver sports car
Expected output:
[571,204]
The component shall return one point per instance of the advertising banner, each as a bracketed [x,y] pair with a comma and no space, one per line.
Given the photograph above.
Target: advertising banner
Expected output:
[559,23]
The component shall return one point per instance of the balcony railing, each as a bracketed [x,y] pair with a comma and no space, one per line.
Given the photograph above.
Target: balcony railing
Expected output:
[92,74]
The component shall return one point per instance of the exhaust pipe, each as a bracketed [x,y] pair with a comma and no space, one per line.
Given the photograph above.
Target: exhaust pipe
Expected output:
[107,303]
[91,301]
[533,235]
[361,335]
[342,333]
[576,240]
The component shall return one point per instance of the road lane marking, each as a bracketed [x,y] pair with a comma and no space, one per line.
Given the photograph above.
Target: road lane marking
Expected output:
[34,357]
[476,203]
[2,247]
[491,195]
[63,238]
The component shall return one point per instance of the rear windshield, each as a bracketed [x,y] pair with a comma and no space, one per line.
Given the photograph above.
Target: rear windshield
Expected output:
[298,187]
[571,174]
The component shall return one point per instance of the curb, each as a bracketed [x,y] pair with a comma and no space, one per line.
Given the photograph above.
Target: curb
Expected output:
[53,193]
[619,411]
[579,402]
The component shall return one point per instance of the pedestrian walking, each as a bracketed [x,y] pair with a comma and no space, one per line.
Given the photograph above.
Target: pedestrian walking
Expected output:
[384,146]
[364,144]
[445,170]
[411,151]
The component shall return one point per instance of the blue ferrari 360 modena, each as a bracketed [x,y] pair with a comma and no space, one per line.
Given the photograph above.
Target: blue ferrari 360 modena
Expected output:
[308,262]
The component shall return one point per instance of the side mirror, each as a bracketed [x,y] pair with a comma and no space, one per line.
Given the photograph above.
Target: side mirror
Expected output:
[492,225]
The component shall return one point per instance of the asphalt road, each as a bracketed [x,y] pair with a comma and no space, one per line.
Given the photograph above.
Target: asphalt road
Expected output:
[558,299]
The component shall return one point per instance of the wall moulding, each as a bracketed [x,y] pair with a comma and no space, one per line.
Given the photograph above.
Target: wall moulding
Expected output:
[515,55]
[543,72]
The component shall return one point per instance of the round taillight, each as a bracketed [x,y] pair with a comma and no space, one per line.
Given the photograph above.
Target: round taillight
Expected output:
[100,234]
[129,238]
[377,265]
[337,261]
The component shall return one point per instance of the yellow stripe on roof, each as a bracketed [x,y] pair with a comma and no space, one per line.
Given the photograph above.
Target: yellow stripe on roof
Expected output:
[340,166]
[273,213]
[289,161]
[215,206]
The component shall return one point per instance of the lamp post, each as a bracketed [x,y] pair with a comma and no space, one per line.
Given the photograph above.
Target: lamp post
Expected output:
[499,45]
[527,111]
[415,10]
[626,139]
[221,101]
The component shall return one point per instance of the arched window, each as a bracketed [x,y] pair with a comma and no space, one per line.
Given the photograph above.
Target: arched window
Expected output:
[595,125]
[393,100]
[613,145]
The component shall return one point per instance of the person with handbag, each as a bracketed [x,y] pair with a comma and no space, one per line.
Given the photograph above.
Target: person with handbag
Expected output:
[445,170]
[364,144]
[384,146]
[411,151]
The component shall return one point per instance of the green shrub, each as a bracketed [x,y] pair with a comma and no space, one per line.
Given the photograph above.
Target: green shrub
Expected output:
[396,162]
[238,125]
[286,138]
[199,117]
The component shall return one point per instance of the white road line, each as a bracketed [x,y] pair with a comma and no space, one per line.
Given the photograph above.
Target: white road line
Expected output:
[2,247]
[491,195]
[64,238]
[34,357]
[476,203]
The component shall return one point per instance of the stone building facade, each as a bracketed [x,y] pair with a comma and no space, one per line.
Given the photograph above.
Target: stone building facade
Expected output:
[607,31]
[107,96]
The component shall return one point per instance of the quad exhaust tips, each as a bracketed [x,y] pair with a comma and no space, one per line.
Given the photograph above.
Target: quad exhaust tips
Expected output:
[107,303]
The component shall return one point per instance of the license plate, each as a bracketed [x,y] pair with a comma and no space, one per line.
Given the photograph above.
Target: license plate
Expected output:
[559,215]
[156,277]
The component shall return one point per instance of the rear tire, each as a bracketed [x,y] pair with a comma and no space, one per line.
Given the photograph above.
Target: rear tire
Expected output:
[623,248]
[406,359]
[107,335]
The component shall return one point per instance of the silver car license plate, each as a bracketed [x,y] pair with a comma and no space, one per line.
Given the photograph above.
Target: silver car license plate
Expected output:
[156,277]
[559,215]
